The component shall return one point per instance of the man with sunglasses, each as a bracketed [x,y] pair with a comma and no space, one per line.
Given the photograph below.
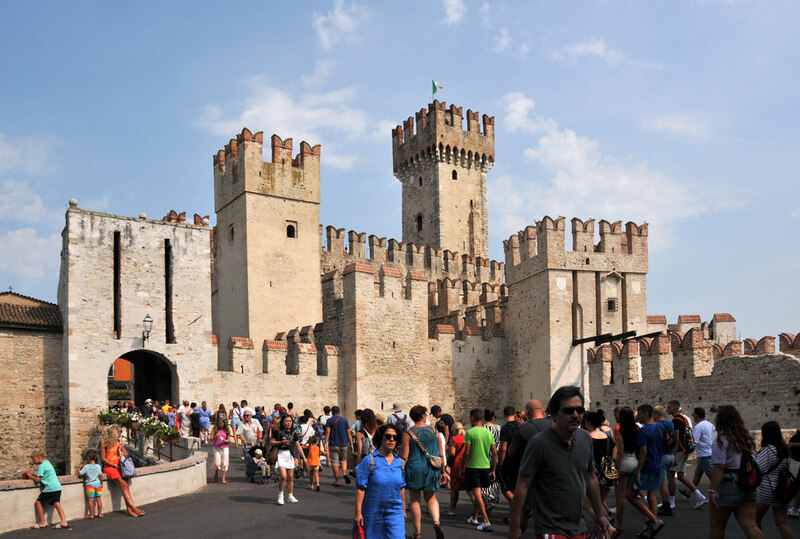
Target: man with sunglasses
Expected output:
[559,465]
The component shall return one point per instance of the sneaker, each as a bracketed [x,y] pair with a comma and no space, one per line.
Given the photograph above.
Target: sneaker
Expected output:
[451,512]
[657,528]
[665,510]
[794,513]
[292,499]
[485,527]
[472,521]
[347,479]
[280,498]
[685,493]
[701,503]
[613,510]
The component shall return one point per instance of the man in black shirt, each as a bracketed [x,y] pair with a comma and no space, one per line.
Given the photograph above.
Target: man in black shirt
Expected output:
[509,467]
[436,411]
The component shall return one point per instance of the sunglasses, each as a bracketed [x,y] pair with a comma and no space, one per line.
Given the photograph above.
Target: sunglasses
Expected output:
[569,410]
[246,415]
[390,437]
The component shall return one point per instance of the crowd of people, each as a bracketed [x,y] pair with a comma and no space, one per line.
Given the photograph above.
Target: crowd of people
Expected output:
[555,464]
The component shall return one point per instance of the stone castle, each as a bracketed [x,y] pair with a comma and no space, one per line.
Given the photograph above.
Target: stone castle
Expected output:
[271,306]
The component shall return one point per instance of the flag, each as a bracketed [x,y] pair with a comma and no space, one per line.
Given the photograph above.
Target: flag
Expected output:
[436,86]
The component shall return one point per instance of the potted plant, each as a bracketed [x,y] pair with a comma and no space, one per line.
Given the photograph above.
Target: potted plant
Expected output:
[173,435]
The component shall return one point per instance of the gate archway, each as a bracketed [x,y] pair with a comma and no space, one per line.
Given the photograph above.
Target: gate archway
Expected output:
[153,376]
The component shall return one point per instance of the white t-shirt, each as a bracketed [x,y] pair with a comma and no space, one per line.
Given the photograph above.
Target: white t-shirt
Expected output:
[704,435]
[250,432]
[306,432]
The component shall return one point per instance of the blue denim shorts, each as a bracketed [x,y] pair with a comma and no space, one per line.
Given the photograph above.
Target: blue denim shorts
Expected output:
[667,461]
[650,481]
[730,495]
[704,465]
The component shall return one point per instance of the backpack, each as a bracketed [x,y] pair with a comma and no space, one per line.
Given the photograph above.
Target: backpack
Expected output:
[401,425]
[669,440]
[795,451]
[687,439]
[319,430]
[749,473]
[787,487]
[366,444]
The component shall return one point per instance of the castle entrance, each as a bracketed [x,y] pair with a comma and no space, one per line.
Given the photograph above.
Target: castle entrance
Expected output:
[152,376]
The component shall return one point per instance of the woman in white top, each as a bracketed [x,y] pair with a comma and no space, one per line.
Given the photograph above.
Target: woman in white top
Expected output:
[725,494]
[772,459]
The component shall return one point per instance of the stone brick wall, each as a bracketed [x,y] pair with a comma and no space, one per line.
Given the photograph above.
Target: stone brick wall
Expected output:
[763,387]
[32,397]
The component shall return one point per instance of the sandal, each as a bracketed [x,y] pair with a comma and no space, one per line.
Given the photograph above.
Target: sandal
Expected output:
[88,517]
[437,527]
[38,526]
[59,526]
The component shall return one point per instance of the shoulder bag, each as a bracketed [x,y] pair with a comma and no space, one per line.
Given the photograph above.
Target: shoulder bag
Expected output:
[608,467]
[126,468]
[435,462]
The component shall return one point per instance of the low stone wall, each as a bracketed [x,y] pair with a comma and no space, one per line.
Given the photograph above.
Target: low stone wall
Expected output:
[182,476]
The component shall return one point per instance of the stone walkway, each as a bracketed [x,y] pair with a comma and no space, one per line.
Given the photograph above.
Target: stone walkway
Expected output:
[241,509]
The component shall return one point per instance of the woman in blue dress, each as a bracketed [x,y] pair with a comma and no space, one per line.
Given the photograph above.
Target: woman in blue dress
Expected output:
[205,422]
[380,498]
[422,479]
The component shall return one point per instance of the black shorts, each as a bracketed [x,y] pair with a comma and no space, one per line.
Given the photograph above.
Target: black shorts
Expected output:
[508,479]
[477,478]
[50,498]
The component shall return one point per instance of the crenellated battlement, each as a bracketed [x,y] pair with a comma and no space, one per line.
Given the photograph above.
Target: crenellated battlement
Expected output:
[341,248]
[440,137]
[240,167]
[543,246]
[720,329]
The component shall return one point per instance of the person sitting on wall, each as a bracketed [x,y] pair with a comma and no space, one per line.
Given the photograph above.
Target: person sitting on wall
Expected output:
[111,451]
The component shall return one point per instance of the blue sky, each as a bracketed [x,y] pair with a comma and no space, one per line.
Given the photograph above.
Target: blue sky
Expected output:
[683,114]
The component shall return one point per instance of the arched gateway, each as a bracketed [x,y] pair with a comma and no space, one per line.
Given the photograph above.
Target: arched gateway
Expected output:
[153,376]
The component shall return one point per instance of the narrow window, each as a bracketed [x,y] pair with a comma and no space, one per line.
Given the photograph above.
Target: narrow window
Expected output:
[455,174]
[117,287]
[419,223]
[612,305]
[420,181]
[471,204]
[291,229]
[170,323]
[230,233]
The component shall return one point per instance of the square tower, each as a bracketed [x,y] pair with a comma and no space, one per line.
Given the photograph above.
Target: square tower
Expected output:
[267,240]
[443,171]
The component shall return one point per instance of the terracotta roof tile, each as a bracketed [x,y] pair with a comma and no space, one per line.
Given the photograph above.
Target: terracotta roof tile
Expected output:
[657,319]
[47,316]
[689,319]
[723,317]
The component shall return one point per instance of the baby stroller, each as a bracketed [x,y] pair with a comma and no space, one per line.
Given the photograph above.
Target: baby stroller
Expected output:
[254,473]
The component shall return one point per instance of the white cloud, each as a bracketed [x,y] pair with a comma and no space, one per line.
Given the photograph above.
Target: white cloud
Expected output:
[686,125]
[19,201]
[486,12]
[319,118]
[794,214]
[582,181]
[322,71]
[26,154]
[339,25]
[31,256]
[454,11]
[524,49]
[596,48]
[502,41]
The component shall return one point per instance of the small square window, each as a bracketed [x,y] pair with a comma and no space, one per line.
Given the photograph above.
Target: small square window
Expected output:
[612,305]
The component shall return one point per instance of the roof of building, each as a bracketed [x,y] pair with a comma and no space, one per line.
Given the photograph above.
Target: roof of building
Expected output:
[17,310]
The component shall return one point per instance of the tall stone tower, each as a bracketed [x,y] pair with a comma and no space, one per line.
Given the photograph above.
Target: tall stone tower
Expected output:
[558,296]
[443,170]
[267,263]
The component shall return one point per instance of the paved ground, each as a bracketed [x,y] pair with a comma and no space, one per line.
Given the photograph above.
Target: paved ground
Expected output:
[241,509]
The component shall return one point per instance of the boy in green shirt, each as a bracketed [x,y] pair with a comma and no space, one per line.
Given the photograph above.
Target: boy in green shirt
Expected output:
[480,461]
[51,490]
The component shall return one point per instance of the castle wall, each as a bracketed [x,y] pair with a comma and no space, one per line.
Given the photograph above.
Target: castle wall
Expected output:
[265,376]
[31,390]
[384,337]
[90,344]
[763,385]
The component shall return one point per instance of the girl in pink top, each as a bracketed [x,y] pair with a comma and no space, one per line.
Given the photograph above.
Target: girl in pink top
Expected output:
[221,435]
